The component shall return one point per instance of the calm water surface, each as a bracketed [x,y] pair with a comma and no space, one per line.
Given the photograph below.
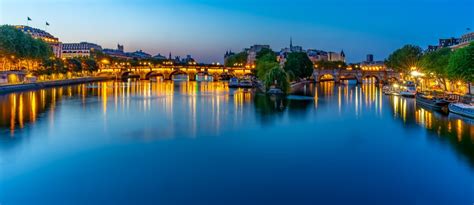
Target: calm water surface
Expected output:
[203,143]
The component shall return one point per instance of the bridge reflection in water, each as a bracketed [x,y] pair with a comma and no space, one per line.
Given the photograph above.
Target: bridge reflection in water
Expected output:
[186,107]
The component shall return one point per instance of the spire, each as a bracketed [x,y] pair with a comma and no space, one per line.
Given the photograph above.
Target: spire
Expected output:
[170,56]
[291,42]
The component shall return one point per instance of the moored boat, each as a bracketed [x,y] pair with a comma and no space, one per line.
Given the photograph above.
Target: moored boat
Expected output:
[245,83]
[408,89]
[275,91]
[432,102]
[234,83]
[463,109]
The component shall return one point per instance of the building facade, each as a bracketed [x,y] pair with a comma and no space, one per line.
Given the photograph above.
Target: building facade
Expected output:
[45,36]
[117,53]
[82,49]
[333,56]
[253,51]
[465,40]
[453,43]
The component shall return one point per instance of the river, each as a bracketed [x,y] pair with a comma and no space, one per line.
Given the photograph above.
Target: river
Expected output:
[203,143]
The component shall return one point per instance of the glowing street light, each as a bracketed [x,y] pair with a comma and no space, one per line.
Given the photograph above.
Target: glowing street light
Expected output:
[417,74]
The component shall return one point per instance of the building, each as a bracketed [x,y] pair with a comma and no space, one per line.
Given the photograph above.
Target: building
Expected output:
[448,42]
[82,49]
[432,48]
[370,58]
[43,35]
[253,51]
[370,65]
[373,66]
[227,55]
[317,55]
[138,55]
[465,40]
[117,53]
[333,56]
[453,43]
[159,57]
[283,54]
[295,48]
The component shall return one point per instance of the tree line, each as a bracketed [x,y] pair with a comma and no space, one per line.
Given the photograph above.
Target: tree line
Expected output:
[443,64]
[21,51]
[296,67]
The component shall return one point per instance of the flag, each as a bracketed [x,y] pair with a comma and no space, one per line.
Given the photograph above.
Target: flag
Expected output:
[28,18]
[47,24]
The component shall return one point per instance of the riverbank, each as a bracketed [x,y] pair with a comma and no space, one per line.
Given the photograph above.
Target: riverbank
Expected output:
[47,84]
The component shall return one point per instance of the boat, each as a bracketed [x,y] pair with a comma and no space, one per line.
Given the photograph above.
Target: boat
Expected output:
[391,90]
[245,83]
[432,102]
[234,83]
[466,110]
[275,91]
[408,89]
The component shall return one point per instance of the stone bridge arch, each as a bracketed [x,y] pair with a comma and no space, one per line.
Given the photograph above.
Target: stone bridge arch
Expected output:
[152,74]
[319,75]
[377,77]
[178,72]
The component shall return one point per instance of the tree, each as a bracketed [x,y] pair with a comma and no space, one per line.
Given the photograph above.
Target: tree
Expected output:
[239,58]
[276,76]
[436,62]
[461,65]
[74,64]
[15,42]
[405,58]
[52,65]
[91,65]
[264,52]
[298,65]
[265,63]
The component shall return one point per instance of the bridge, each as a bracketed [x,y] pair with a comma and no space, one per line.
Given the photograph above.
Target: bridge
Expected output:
[338,75]
[216,71]
[168,71]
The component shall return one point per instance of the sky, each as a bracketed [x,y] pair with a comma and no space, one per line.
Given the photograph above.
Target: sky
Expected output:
[207,28]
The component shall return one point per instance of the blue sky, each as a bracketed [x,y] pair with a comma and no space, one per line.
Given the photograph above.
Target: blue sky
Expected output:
[207,28]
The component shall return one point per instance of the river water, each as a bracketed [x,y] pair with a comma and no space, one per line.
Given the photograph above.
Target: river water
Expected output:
[203,143]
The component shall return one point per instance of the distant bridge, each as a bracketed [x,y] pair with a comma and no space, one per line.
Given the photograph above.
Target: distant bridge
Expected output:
[338,75]
[167,72]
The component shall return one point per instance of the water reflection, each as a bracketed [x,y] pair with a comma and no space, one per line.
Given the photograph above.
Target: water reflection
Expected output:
[369,99]
[193,108]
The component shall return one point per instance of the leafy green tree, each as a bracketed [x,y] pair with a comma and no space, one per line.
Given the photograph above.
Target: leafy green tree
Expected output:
[298,65]
[53,65]
[405,58]
[15,42]
[436,62]
[277,77]
[74,65]
[239,58]
[461,65]
[265,63]
[265,52]
[91,65]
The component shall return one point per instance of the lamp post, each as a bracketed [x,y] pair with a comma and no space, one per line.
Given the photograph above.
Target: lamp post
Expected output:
[416,75]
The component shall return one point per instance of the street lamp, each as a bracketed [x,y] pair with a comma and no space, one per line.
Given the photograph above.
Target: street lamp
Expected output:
[417,74]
